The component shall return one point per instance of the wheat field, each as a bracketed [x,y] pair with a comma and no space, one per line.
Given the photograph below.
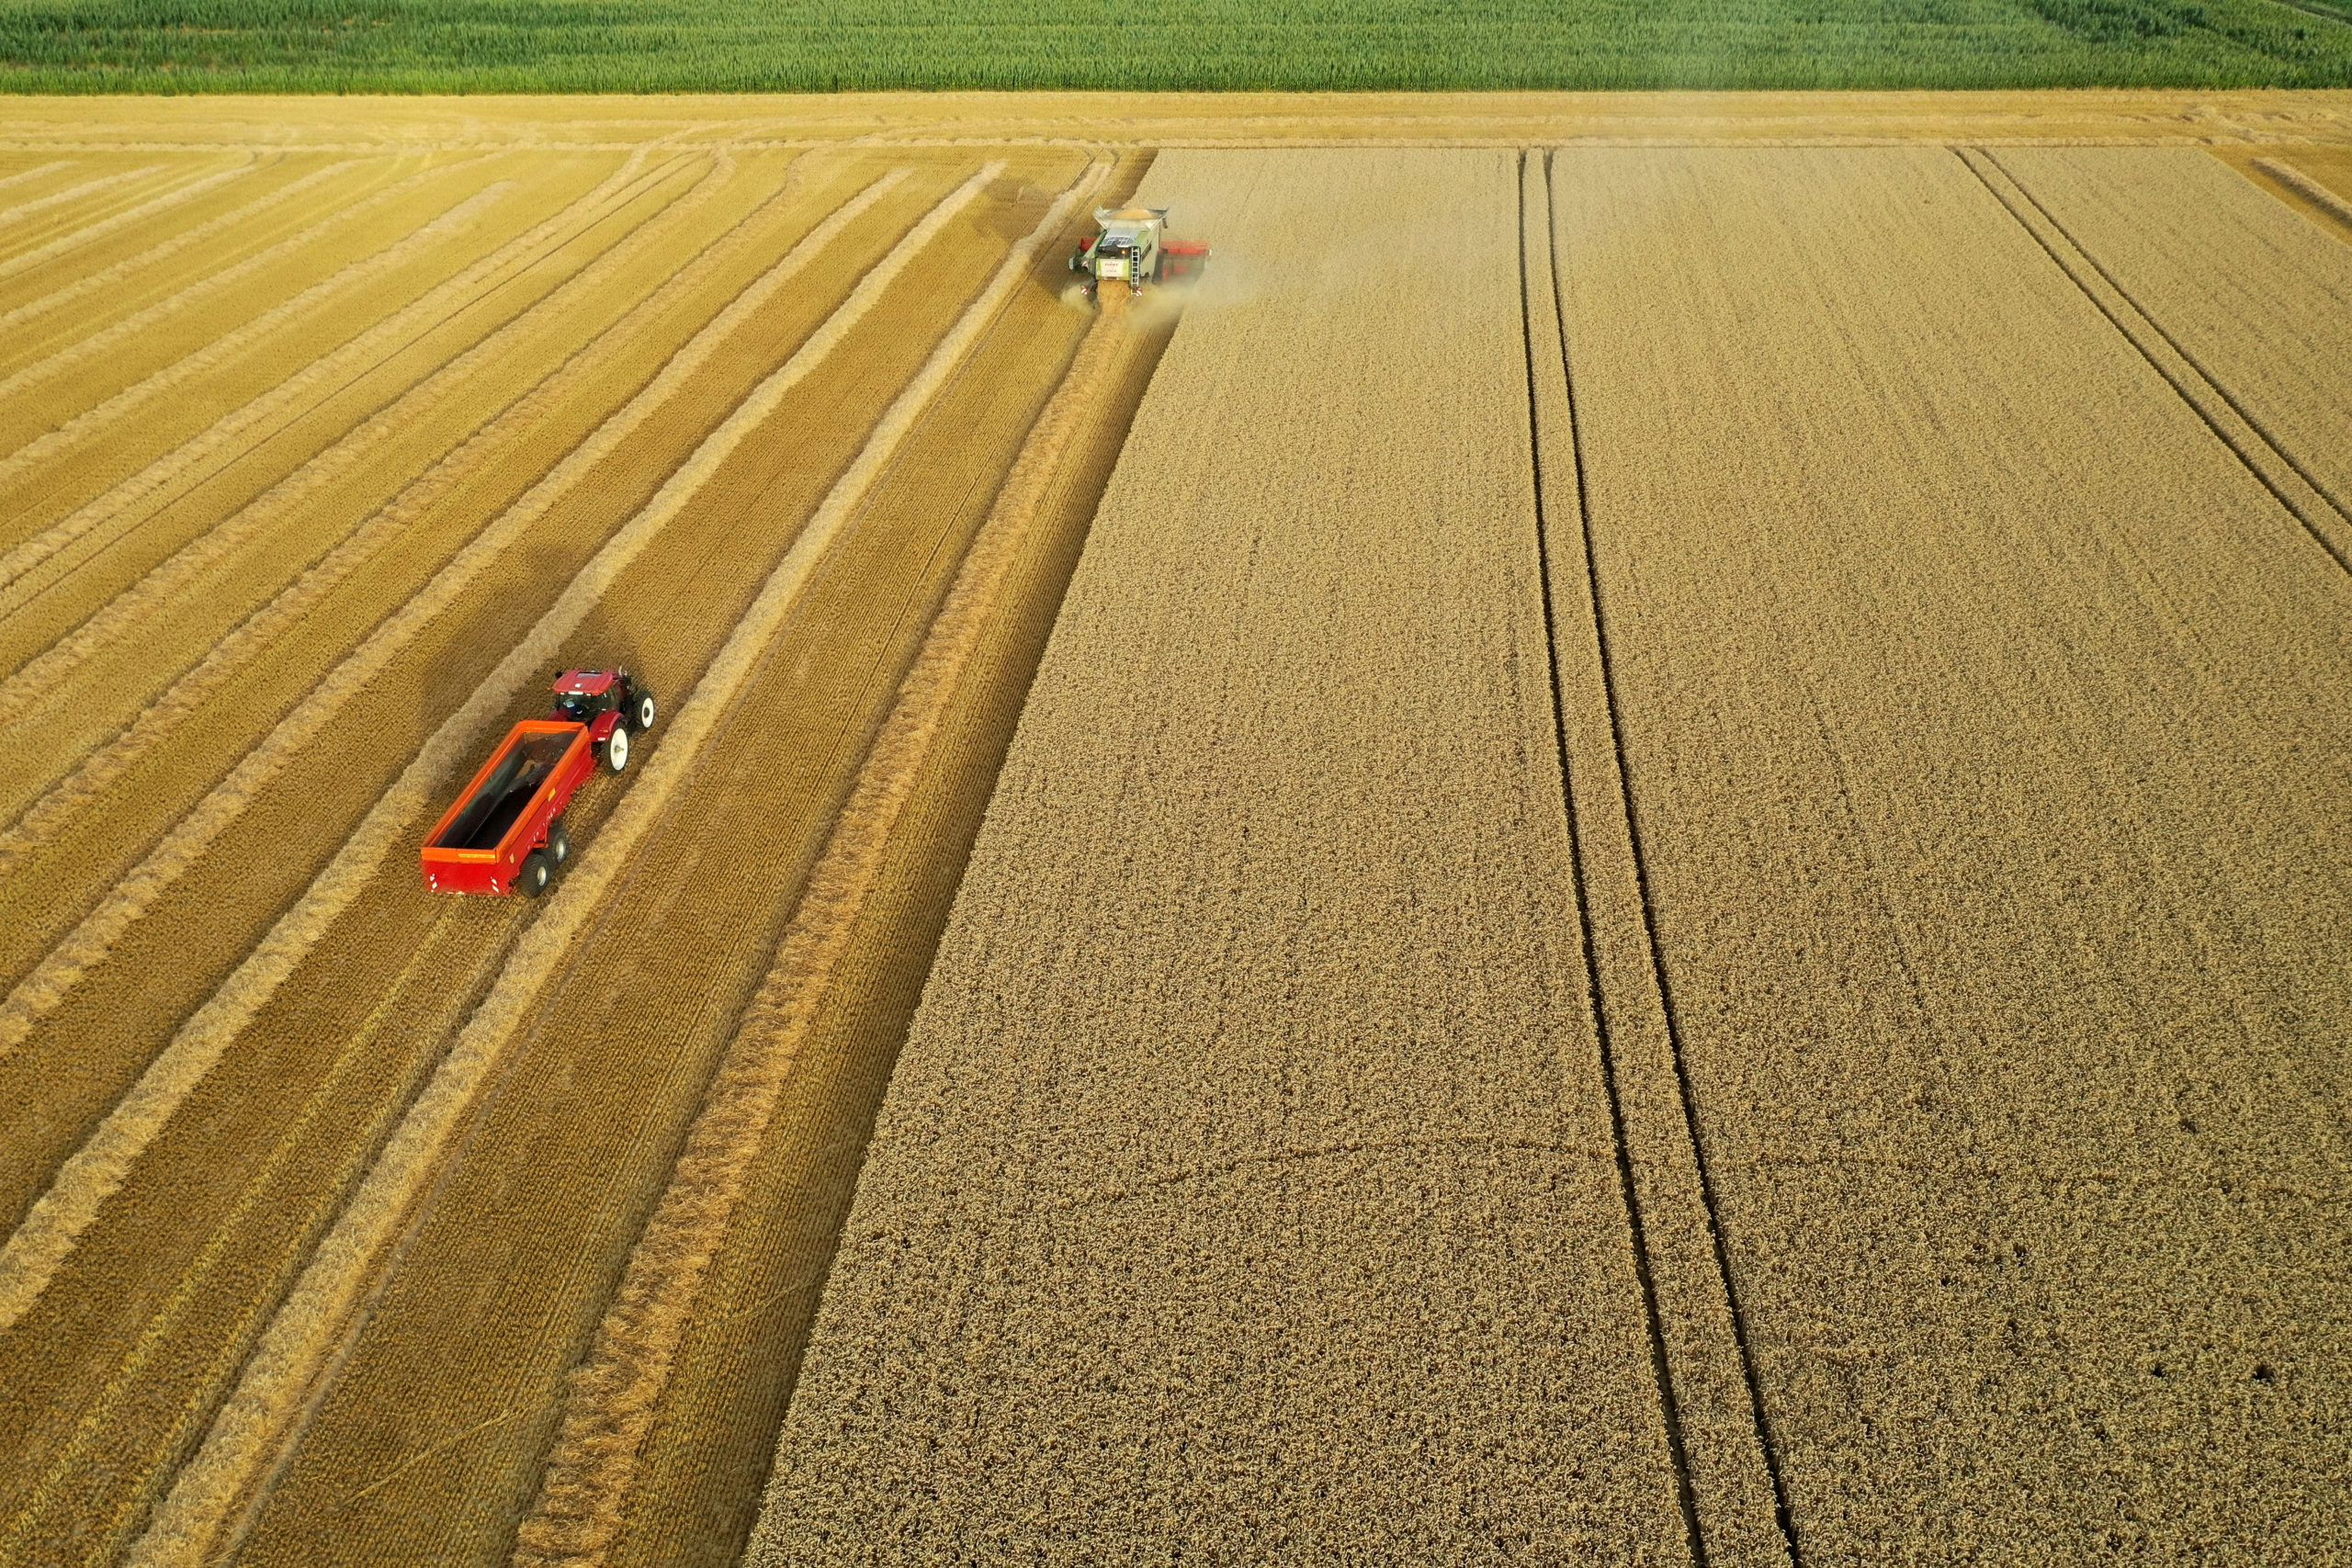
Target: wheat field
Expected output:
[1628,850]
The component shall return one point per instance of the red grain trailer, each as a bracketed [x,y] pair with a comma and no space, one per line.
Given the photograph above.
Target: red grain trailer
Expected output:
[505,833]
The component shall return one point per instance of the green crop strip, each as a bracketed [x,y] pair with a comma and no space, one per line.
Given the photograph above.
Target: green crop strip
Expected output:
[62,46]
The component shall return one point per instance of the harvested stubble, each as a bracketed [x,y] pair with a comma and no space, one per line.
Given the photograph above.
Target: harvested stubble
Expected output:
[1243,1188]
[398,684]
[457,498]
[35,221]
[83,243]
[429,511]
[586,1090]
[15,177]
[58,645]
[616,1396]
[1982,715]
[245,470]
[2314,193]
[290,1046]
[141,325]
[108,291]
[546,406]
[2258,297]
[106,434]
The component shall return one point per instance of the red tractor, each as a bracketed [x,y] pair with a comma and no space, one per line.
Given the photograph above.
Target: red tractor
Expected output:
[610,703]
[505,833]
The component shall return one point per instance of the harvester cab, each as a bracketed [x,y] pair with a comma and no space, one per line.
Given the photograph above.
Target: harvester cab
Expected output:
[1134,247]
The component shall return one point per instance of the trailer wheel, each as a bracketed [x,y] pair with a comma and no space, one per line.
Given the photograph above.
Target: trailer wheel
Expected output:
[532,878]
[617,749]
[641,712]
[559,844]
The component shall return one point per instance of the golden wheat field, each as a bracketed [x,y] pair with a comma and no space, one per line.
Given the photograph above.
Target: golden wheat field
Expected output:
[1630,849]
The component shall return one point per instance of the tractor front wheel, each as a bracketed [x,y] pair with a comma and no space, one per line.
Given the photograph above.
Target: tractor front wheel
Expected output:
[641,711]
[532,878]
[616,747]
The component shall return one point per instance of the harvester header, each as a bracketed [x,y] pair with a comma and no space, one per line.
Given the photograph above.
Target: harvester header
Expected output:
[1133,246]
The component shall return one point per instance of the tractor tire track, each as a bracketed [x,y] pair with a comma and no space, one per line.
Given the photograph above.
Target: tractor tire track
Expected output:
[2278,472]
[2312,496]
[1735,1497]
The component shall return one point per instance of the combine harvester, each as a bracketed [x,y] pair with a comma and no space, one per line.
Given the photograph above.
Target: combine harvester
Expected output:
[1134,245]
[505,833]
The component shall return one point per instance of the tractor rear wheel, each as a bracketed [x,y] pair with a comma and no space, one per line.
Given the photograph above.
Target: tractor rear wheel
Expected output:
[616,747]
[534,874]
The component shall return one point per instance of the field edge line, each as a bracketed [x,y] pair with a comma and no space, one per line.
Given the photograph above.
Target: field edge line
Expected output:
[252,1425]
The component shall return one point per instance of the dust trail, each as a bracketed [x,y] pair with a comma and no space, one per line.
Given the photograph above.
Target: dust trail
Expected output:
[25,209]
[2309,189]
[614,1396]
[98,1168]
[260,1416]
[118,500]
[176,575]
[106,338]
[126,217]
[125,503]
[168,712]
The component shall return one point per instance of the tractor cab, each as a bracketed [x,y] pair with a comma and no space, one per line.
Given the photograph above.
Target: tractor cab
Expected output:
[611,702]
[582,696]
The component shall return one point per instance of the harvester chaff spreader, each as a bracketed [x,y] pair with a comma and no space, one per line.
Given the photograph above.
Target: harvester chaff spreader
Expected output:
[505,833]
[1134,247]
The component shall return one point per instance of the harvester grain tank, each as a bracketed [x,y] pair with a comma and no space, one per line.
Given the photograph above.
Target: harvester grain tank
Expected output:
[1133,247]
[505,833]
